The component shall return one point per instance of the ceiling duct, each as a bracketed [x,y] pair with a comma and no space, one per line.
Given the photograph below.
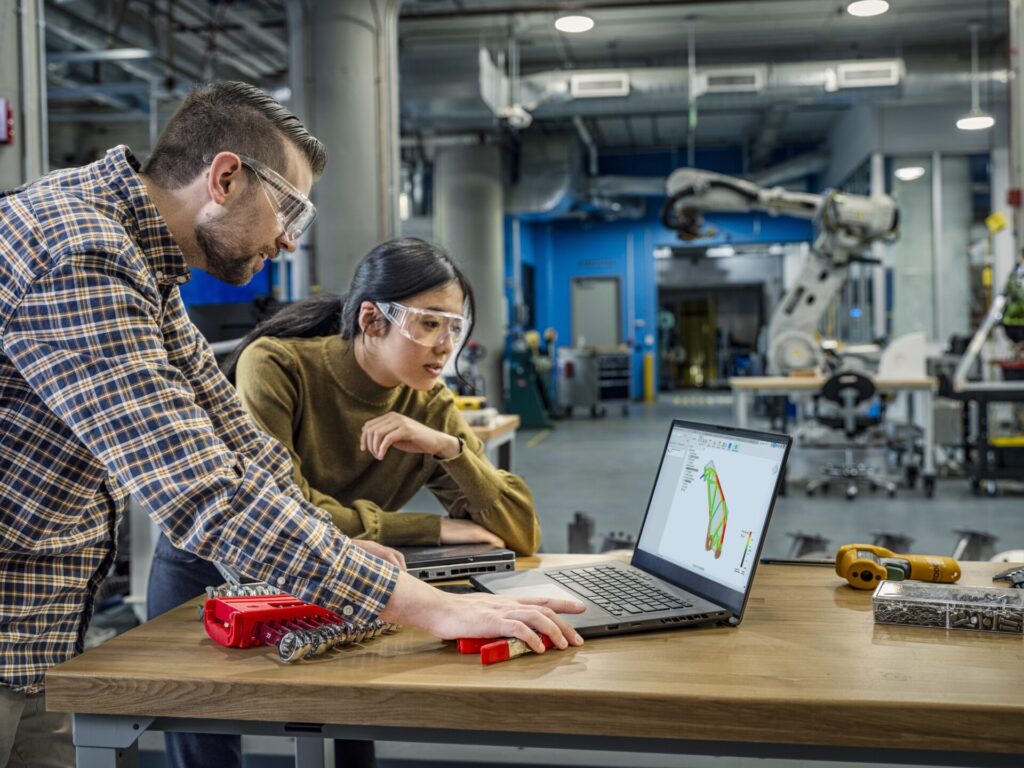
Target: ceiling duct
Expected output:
[550,178]
[869,74]
[596,85]
[731,80]
[440,98]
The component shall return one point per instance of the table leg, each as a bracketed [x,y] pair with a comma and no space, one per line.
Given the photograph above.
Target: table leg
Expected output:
[739,404]
[108,741]
[309,752]
[929,432]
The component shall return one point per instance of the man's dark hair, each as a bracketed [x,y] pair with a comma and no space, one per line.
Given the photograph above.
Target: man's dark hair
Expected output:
[228,117]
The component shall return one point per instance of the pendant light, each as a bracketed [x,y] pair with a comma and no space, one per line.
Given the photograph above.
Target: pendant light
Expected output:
[977,119]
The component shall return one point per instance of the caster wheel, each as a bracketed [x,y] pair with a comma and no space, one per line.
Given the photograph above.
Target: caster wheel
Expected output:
[851,493]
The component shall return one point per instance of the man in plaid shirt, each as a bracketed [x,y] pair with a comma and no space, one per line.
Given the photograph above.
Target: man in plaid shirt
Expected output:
[107,389]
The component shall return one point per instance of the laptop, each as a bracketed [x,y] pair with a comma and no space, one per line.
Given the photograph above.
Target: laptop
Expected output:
[698,546]
[456,561]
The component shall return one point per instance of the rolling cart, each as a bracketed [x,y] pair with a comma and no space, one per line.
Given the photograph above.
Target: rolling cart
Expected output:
[594,378]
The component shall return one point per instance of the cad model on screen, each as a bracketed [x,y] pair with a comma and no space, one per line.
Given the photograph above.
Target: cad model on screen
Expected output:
[718,510]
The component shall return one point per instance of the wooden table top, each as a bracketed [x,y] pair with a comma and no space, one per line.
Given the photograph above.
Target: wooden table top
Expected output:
[807,666]
[503,424]
[815,382]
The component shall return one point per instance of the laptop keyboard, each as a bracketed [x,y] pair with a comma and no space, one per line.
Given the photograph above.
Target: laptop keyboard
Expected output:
[618,592]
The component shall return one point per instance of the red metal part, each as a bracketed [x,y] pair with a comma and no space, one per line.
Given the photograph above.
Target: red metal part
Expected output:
[238,622]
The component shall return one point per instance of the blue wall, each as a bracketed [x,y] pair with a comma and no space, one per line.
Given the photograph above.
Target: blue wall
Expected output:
[206,289]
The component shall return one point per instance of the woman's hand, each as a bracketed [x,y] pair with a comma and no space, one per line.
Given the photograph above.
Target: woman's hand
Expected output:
[455,531]
[393,556]
[393,430]
[448,616]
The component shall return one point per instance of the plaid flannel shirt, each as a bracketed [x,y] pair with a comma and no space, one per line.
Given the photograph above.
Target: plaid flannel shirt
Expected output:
[107,389]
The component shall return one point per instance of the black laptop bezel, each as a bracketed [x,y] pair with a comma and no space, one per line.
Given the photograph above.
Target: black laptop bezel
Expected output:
[735,601]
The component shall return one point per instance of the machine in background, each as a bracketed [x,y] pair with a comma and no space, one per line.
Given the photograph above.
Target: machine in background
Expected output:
[1001,457]
[593,378]
[527,371]
[847,225]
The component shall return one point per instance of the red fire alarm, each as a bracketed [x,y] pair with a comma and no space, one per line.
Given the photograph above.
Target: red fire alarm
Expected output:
[6,122]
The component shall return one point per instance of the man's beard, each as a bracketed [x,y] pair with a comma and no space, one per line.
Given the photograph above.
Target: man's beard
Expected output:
[221,248]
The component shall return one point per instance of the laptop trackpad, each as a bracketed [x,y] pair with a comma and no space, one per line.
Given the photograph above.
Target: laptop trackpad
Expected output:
[542,589]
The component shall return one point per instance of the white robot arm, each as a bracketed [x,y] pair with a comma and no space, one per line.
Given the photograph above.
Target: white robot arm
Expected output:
[847,224]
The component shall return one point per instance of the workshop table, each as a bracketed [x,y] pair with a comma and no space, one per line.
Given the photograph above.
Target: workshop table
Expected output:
[499,440]
[808,674]
[921,389]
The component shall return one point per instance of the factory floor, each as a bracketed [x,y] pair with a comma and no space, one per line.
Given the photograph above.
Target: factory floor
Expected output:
[604,468]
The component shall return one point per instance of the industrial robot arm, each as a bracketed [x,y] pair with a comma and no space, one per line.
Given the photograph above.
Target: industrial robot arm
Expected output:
[846,224]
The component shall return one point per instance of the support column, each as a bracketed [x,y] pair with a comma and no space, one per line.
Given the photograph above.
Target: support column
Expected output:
[878,251]
[1002,242]
[23,85]
[468,209]
[347,87]
[1015,104]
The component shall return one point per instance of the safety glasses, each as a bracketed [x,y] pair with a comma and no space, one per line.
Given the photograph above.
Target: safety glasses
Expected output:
[293,210]
[428,327]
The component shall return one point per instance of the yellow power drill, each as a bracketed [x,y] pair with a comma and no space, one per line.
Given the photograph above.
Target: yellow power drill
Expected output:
[865,565]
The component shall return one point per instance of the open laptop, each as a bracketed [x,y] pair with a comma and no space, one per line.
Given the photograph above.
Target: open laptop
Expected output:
[698,546]
[456,561]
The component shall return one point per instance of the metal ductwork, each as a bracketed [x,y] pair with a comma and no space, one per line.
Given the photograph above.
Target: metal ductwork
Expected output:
[549,179]
[790,170]
[442,99]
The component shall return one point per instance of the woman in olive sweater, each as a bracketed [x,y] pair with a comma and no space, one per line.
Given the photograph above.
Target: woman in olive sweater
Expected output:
[351,386]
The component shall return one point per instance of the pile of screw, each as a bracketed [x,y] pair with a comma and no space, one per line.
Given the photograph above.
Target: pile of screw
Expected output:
[228,589]
[996,611]
[301,638]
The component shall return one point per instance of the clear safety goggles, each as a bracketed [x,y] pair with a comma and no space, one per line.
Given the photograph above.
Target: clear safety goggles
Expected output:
[293,210]
[428,327]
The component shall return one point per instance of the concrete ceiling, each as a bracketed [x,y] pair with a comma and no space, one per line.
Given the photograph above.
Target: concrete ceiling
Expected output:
[726,32]
[191,40]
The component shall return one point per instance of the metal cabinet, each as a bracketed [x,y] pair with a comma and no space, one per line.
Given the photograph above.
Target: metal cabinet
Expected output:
[594,378]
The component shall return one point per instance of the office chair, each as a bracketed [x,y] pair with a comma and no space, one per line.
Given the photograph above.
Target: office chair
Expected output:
[848,390]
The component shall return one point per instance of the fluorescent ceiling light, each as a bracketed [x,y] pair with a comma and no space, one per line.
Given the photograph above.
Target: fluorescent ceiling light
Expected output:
[909,172]
[574,24]
[867,8]
[975,120]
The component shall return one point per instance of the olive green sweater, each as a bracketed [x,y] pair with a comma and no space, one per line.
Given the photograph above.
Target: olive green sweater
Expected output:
[312,395]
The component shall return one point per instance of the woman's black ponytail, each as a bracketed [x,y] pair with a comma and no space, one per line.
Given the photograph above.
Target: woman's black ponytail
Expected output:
[319,315]
[393,271]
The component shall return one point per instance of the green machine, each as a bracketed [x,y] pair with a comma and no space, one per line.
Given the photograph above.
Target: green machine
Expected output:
[526,391]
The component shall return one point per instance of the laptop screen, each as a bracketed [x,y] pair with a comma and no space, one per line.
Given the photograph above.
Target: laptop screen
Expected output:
[710,506]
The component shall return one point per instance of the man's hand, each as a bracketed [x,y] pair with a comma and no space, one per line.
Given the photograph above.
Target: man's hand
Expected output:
[393,556]
[393,430]
[448,616]
[455,531]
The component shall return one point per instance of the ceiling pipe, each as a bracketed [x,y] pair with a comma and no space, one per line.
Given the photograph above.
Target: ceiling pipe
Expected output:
[588,142]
